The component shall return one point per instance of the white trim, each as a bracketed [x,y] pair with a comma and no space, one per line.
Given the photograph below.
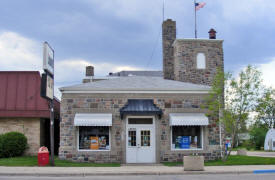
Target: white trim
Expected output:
[93,119]
[188,119]
[201,60]
[198,149]
[139,117]
[138,92]
[153,126]
[89,150]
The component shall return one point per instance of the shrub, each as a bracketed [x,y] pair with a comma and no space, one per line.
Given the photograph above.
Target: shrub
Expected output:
[258,133]
[247,145]
[12,144]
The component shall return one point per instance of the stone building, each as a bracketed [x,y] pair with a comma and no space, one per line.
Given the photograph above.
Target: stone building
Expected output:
[23,110]
[145,119]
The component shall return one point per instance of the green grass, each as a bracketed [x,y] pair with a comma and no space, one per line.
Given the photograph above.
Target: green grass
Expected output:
[234,160]
[32,161]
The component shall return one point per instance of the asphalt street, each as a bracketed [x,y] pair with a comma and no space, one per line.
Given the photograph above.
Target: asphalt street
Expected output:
[163,177]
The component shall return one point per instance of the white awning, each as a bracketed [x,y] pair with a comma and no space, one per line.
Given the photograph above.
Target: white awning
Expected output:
[93,119]
[188,119]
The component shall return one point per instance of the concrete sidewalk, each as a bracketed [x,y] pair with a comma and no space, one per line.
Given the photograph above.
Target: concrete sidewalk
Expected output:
[257,153]
[126,170]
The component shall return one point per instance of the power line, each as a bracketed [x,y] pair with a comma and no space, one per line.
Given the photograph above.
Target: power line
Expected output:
[154,48]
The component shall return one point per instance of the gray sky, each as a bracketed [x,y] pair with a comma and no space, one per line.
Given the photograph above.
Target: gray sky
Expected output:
[116,35]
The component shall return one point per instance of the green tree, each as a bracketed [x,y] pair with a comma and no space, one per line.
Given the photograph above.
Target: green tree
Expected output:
[232,99]
[257,134]
[266,108]
[241,98]
[215,101]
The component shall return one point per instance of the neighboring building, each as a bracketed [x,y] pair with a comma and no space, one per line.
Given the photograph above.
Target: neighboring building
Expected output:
[138,73]
[91,78]
[143,119]
[243,137]
[23,110]
[269,143]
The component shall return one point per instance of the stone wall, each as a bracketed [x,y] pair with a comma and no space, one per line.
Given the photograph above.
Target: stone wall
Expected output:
[111,103]
[185,53]
[168,37]
[30,127]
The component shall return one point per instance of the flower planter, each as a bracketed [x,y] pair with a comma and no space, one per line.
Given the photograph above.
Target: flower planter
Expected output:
[193,163]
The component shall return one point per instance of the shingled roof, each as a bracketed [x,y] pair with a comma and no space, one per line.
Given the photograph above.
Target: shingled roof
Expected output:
[136,83]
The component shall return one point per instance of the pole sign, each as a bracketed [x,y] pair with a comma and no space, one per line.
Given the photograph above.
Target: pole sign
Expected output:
[48,58]
[47,86]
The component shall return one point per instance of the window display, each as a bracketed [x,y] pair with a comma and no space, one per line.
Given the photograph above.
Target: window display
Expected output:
[94,138]
[186,137]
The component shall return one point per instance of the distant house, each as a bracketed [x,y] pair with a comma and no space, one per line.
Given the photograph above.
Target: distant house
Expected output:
[23,110]
[91,78]
[138,73]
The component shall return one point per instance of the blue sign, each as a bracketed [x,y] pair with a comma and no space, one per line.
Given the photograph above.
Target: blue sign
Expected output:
[185,142]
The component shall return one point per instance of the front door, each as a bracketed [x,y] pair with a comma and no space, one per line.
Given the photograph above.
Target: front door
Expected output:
[140,146]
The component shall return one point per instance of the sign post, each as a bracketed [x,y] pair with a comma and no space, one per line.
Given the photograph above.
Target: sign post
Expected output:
[47,89]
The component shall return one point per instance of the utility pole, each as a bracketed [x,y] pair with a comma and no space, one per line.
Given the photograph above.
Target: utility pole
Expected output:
[47,90]
[52,130]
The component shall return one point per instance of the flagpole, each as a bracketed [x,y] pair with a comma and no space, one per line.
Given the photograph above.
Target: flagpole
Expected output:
[163,10]
[195,19]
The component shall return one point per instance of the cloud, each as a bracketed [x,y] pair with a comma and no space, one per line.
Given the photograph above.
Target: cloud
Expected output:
[267,70]
[268,73]
[72,70]
[247,11]
[136,9]
[19,53]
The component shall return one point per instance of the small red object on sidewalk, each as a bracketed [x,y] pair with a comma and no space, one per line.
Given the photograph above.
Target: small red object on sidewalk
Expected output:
[43,156]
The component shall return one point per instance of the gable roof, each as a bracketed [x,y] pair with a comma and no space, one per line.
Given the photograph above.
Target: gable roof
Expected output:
[20,95]
[137,84]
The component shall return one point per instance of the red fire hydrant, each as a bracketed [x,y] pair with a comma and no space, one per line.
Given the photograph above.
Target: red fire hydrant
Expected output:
[43,156]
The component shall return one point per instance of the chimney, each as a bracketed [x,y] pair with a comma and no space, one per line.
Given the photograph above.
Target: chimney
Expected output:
[89,74]
[212,33]
[168,38]
[89,71]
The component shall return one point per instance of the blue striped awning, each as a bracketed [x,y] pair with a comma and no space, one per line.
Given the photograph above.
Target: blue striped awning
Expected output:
[140,107]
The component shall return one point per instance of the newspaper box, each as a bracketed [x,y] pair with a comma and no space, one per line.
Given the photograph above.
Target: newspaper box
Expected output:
[43,156]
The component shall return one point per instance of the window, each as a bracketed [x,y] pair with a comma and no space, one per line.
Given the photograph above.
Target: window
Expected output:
[132,140]
[140,121]
[186,137]
[145,138]
[201,61]
[94,138]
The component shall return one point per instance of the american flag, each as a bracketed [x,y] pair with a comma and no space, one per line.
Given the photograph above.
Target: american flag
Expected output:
[199,5]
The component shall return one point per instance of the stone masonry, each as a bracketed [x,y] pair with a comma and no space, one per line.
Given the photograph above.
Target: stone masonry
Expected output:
[168,37]
[111,103]
[185,53]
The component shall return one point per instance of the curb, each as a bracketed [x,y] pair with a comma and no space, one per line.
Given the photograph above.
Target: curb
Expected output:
[125,173]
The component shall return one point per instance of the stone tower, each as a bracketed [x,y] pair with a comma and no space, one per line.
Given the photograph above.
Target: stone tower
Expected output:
[168,38]
[197,60]
[190,60]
